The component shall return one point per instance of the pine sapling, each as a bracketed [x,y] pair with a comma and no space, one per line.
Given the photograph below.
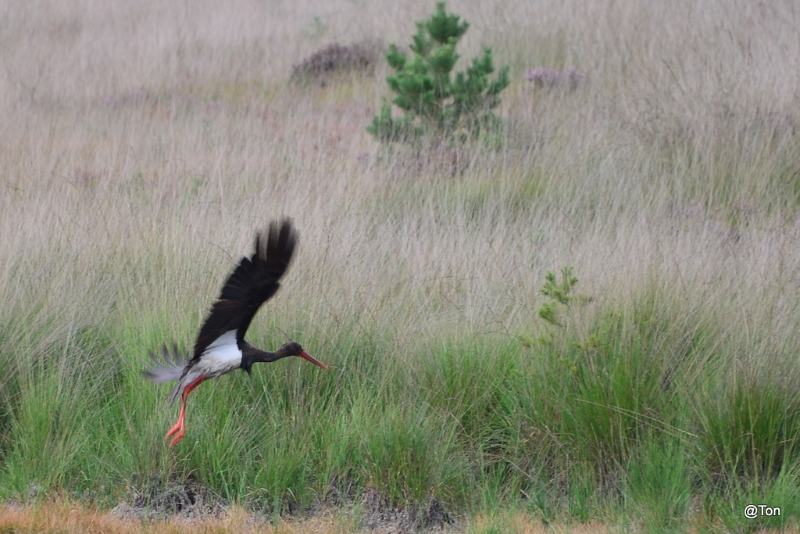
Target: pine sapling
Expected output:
[433,101]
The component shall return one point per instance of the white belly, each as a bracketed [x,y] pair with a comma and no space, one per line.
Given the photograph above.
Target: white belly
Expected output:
[221,356]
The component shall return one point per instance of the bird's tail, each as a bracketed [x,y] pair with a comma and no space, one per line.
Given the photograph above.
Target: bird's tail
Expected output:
[168,366]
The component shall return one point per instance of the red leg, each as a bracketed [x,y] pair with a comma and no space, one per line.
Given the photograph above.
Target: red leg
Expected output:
[177,426]
[180,425]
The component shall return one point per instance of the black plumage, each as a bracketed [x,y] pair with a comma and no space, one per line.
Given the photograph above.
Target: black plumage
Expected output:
[220,346]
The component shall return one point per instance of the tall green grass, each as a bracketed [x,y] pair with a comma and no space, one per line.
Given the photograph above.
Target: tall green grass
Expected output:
[649,418]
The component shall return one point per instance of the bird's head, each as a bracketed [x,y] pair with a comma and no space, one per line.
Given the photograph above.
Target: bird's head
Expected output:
[294,349]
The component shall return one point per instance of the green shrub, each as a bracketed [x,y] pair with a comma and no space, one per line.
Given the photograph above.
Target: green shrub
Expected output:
[434,102]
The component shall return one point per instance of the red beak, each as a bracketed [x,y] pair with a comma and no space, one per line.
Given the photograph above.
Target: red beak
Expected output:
[306,356]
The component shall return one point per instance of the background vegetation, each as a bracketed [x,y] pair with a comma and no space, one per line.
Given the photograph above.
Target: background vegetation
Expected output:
[143,143]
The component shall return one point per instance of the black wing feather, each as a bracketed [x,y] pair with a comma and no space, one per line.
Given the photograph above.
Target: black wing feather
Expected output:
[251,284]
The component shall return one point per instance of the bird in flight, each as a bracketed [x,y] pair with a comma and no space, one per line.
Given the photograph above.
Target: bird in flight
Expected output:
[221,347]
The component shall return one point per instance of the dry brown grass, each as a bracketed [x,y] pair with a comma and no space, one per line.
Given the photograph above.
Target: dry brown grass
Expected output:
[74,518]
[68,518]
[132,129]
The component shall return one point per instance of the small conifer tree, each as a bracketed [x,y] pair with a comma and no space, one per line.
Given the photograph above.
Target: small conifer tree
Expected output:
[434,102]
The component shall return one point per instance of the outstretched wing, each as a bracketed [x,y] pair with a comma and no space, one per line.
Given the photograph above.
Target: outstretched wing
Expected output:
[251,284]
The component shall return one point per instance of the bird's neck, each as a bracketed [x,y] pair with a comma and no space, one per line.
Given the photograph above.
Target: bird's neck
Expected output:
[251,355]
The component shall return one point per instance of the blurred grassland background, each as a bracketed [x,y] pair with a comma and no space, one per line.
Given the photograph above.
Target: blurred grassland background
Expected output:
[143,143]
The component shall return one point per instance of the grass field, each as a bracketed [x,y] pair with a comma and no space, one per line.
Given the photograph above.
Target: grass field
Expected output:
[144,143]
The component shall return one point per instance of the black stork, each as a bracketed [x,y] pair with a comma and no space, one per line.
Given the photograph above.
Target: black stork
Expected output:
[220,346]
